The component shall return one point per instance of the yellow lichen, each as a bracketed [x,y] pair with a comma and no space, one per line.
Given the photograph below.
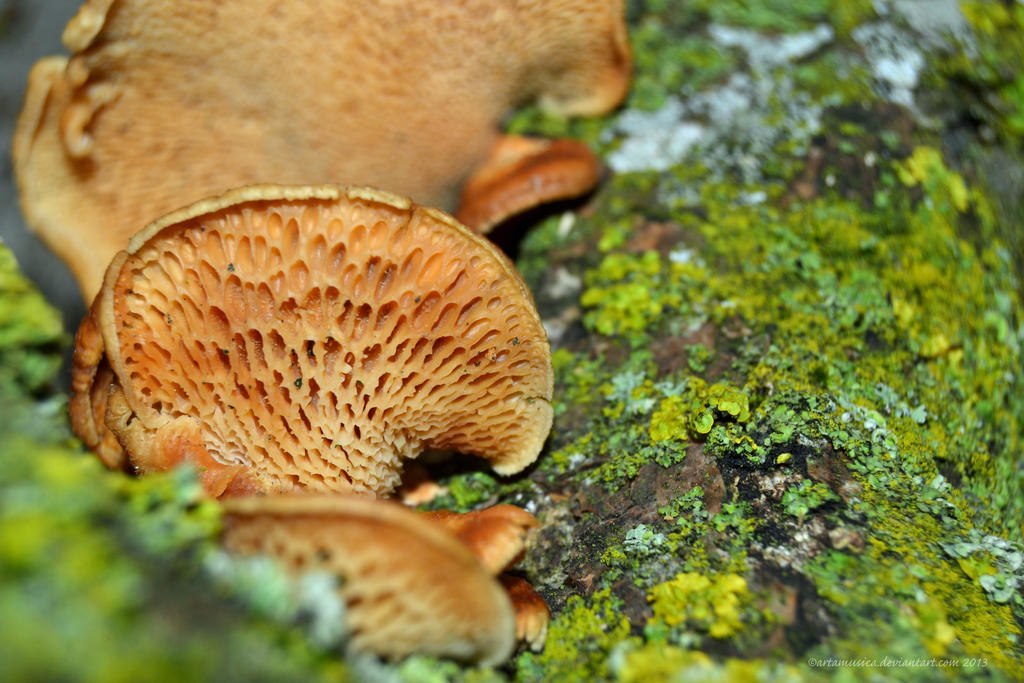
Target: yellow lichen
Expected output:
[711,604]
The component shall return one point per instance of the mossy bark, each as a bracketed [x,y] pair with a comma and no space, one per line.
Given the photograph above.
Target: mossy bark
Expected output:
[787,337]
[789,400]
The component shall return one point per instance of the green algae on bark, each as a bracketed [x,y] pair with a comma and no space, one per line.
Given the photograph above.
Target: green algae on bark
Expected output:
[880,353]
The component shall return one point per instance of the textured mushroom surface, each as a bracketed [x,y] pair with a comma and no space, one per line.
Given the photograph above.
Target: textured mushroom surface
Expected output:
[310,338]
[408,585]
[164,102]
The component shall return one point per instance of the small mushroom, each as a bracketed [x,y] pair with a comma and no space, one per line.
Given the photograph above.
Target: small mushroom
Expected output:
[163,102]
[497,537]
[522,173]
[310,338]
[408,586]
[532,614]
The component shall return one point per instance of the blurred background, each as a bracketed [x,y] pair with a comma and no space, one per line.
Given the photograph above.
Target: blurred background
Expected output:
[30,29]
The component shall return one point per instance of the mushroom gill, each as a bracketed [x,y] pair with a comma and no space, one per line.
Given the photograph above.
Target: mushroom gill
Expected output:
[304,341]
[408,586]
[310,338]
[163,102]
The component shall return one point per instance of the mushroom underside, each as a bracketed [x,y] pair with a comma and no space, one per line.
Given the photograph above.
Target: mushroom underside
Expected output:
[310,339]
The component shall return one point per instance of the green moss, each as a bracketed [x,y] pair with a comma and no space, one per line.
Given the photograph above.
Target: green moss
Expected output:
[830,78]
[641,421]
[620,404]
[472,489]
[463,491]
[578,377]
[643,553]
[987,69]
[920,601]
[997,565]
[657,663]
[671,57]
[622,304]
[628,293]
[772,15]
[845,15]
[579,640]
[925,166]
[687,508]
[672,420]
[30,332]
[872,365]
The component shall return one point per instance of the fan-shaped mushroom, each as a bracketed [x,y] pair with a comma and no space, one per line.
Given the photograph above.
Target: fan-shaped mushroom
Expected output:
[296,339]
[310,338]
[164,102]
[409,586]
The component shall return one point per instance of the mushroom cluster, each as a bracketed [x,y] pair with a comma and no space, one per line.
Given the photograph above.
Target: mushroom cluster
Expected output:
[298,342]
[295,341]
[164,102]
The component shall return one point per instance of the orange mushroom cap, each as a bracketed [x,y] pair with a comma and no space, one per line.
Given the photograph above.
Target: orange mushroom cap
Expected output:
[531,612]
[163,102]
[310,338]
[408,585]
[495,535]
[522,173]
